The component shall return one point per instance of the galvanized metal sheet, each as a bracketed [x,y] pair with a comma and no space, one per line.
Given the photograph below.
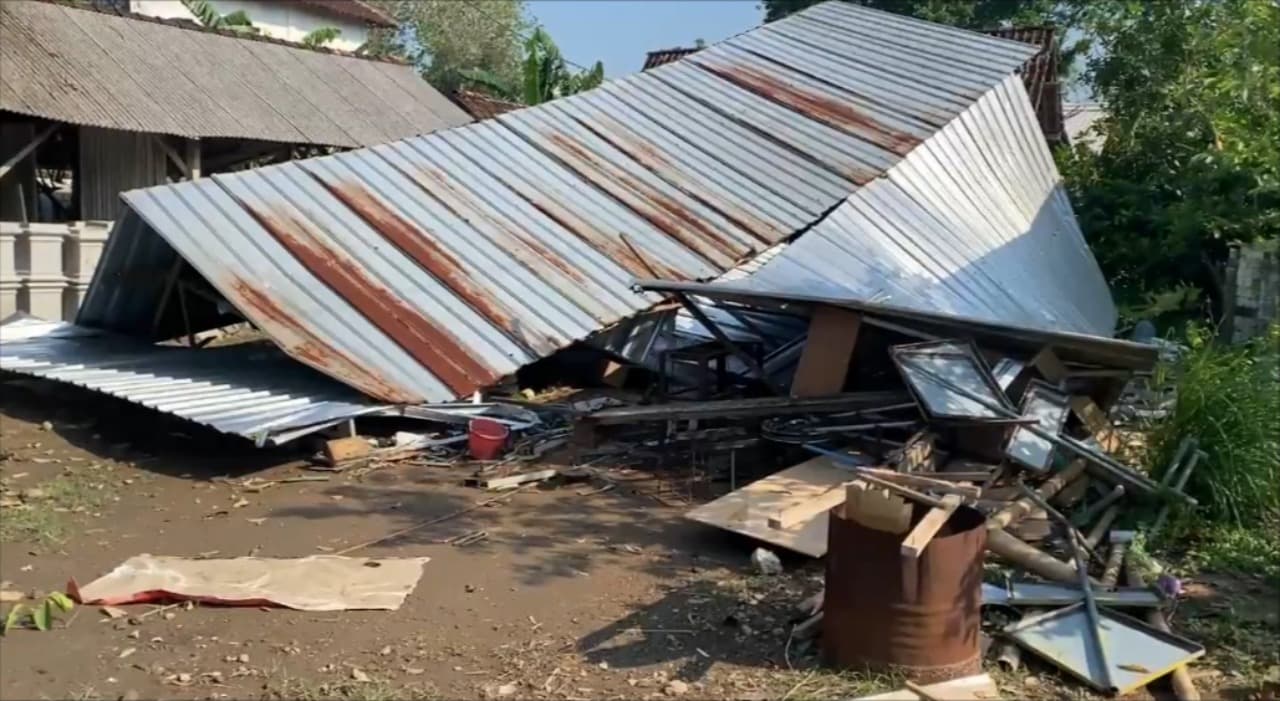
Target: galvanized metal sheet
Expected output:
[424,269]
[78,65]
[1135,653]
[973,223]
[250,391]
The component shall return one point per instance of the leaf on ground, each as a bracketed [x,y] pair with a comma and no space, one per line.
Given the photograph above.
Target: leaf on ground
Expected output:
[42,616]
[11,621]
[63,601]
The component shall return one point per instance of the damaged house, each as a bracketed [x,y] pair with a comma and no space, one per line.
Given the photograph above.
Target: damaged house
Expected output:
[96,102]
[842,152]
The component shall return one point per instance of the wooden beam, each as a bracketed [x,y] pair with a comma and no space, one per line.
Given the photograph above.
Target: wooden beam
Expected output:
[916,541]
[1050,367]
[25,151]
[514,481]
[805,510]
[1095,419]
[876,508]
[173,155]
[828,350]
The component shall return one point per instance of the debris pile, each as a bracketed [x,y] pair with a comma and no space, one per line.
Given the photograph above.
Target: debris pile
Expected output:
[907,432]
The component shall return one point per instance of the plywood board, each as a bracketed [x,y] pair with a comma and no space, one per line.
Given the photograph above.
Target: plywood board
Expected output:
[748,510]
[824,364]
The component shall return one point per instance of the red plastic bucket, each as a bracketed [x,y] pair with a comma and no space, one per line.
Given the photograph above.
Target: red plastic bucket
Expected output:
[486,438]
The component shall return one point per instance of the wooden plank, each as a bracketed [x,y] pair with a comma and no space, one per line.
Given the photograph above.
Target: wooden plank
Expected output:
[341,450]
[806,510]
[876,508]
[756,406]
[937,485]
[513,481]
[824,363]
[1095,419]
[747,510]
[1050,366]
[919,538]
[920,453]
[976,688]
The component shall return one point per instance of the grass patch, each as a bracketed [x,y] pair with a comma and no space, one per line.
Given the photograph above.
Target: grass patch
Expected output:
[1229,399]
[43,514]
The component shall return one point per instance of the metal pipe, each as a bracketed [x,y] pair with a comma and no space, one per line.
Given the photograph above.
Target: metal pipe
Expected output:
[1029,558]
[1179,485]
[1100,528]
[1084,517]
[1073,535]
[1023,507]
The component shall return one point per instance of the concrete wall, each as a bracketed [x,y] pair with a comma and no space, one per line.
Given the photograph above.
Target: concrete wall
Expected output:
[289,21]
[45,268]
[1255,268]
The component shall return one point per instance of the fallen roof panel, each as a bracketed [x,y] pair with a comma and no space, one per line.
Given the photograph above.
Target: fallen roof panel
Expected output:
[249,390]
[428,268]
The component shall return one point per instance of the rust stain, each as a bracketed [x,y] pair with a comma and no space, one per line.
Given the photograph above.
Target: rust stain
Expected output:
[817,106]
[602,243]
[644,154]
[441,182]
[663,212]
[415,243]
[417,335]
[316,353]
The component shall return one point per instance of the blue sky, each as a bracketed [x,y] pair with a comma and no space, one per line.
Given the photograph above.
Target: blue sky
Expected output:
[621,32]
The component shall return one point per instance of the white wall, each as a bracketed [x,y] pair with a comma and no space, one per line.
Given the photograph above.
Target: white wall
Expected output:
[280,20]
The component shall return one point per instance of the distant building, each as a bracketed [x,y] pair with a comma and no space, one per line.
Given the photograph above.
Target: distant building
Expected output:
[289,20]
[95,102]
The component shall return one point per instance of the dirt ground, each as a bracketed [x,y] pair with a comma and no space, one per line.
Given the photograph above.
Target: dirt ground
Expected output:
[573,594]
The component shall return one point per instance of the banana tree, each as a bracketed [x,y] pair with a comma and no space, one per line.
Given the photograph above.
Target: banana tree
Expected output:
[236,21]
[545,74]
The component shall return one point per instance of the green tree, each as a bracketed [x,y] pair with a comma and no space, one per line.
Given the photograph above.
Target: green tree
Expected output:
[544,75]
[1191,158]
[447,38]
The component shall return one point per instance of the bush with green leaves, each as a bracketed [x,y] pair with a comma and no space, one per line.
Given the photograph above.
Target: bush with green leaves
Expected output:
[1228,398]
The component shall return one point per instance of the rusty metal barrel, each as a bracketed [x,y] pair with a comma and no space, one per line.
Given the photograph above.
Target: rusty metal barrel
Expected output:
[888,613]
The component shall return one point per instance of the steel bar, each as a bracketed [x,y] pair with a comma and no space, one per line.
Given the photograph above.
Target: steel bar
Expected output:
[1178,485]
[715,330]
[1073,535]
[1084,517]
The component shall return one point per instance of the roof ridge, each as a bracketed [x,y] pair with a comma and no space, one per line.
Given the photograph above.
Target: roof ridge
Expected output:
[194,27]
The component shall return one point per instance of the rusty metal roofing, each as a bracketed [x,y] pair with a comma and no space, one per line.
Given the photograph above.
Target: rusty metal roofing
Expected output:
[662,57]
[482,106]
[99,69]
[430,267]
[1039,73]
[1040,77]
[250,391]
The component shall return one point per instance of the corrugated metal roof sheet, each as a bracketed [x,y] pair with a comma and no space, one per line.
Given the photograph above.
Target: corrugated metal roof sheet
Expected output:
[1039,73]
[483,106]
[430,267]
[974,223]
[98,69]
[661,57]
[251,391]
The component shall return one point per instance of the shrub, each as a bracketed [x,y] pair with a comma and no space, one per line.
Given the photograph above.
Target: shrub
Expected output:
[1229,399]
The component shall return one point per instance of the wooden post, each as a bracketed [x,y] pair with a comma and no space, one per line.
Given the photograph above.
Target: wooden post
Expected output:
[193,159]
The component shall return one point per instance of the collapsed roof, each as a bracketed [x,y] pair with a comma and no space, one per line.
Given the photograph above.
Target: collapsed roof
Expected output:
[425,269]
